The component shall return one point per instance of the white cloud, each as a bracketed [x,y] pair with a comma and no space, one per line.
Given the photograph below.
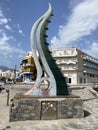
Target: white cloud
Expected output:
[92,49]
[1,15]
[19,44]
[82,21]
[9,52]
[8,27]
[3,20]
[21,32]
[6,47]
[4,39]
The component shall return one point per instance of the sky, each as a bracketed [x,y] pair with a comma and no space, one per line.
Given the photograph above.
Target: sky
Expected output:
[74,24]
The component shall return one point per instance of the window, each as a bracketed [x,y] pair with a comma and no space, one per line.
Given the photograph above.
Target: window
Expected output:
[80,80]
[69,80]
[84,80]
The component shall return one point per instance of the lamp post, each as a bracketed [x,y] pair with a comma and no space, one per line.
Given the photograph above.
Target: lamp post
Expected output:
[7,90]
[15,74]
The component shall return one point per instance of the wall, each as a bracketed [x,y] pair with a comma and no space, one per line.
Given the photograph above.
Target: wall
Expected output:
[39,108]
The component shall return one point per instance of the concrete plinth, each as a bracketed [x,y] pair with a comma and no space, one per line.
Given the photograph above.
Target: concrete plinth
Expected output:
[48,108]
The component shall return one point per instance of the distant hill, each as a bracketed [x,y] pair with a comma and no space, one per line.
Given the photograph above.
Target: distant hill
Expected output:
[4,68]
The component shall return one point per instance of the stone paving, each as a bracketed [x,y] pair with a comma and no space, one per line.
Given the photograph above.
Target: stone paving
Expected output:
[89,122]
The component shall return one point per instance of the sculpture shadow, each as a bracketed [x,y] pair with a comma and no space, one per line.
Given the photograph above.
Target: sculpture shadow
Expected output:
[86,113]
[88,99]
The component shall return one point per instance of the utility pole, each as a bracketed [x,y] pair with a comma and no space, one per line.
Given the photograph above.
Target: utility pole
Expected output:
[15,73]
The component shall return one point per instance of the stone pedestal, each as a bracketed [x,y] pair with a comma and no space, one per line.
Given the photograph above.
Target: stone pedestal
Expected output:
[48,108]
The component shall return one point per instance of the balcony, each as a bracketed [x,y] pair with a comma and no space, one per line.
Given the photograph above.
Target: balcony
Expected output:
[61,62]
[28,65]
[91,66]
[90,59]
[67,55]
[70,68]
[90,71]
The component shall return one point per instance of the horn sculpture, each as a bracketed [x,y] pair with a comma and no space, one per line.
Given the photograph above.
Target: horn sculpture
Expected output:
[47,69]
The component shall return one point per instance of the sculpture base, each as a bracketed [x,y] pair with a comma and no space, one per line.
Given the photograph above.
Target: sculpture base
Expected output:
[28,107]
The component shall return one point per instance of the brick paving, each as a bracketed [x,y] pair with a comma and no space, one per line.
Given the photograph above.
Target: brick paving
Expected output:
[89,122]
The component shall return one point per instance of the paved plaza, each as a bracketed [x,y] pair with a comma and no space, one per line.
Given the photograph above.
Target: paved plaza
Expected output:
[89,122]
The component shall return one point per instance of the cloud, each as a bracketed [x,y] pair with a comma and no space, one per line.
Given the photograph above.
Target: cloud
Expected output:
[4,39]
[9,52]
[82,22]
[3,20]
[8,27]
[5,47]
[19,44]
[92,49]
[19,30]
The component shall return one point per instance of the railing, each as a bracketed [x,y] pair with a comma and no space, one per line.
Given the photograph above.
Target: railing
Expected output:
[24,65]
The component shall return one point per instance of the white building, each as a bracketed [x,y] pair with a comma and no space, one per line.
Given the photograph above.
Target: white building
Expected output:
[8,74]
[77,66]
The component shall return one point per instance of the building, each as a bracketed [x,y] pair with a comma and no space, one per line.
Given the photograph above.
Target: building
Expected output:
[8,76]
[28,69]
[77,66]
